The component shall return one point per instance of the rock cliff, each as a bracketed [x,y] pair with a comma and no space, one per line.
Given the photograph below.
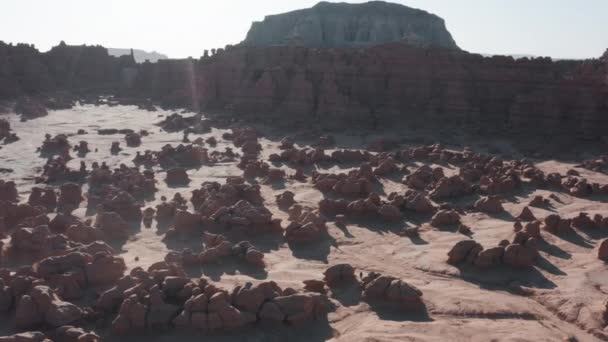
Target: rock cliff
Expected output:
[354,25]
[381,86]
[390,85]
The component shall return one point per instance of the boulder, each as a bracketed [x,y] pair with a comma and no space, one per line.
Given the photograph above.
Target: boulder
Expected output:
[338,275]
[445,218]
[490,205]
[177,176]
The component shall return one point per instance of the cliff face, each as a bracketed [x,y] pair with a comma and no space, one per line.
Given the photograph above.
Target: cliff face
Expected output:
[391,85]
[26,71]
[342,25]
[382,86]
[140,55]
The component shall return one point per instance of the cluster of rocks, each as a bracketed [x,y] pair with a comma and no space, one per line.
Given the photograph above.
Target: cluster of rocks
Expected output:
[43,197]
[247,139]
[39,293]
[356,183]
[306,225]
[377,289]
[82,148]
[445,217]
[599,164]
[212,195]
[133,139]
[244,218]
[217,247]
[300,156]
[182,155]
[113,131]
[130,179]
[176,122]
[371,207]
[163,298]
[489,205]
[112,199]
[573,184]
[374,207]
[424,177]
[177,176]
[521,253]
[254,168]
[285,200]
[56,170]
[166,210]
[58,144]
[8,191]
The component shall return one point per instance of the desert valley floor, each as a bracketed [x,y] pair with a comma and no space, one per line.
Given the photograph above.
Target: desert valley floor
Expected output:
[558,291]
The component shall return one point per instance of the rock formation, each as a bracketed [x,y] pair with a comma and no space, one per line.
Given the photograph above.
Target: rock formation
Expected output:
[351,25]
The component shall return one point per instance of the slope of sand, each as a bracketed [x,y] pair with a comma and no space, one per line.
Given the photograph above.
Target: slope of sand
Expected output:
[566,290]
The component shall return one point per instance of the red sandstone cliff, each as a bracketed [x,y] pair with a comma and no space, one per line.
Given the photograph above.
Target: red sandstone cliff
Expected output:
[389,85]
[380,86]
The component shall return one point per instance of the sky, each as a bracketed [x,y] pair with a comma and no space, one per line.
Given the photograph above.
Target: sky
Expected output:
[182,28]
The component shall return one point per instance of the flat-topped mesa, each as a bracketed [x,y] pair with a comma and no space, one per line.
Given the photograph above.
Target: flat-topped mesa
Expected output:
[351,25]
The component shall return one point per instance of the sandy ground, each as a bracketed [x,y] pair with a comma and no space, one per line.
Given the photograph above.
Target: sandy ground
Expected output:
[568,287]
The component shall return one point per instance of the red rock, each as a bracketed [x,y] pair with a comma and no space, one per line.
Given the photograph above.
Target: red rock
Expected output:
[532,229]
[389,212]
[583,221]
[285,199]
[72,334]
[8,191]
[602,252]
[177,176]
[450,187]
[388,290]
[112,225]
[133,139]
[339,275]
[104,269]
[537,201]
[314,285]
[419,203]
[70,197]
[489,257]
[461,251]
[445,218]
[526,215]
[491,205]
[186,222]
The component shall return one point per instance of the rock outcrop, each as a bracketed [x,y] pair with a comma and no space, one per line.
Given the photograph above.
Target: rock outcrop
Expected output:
[380,86]
[351,25]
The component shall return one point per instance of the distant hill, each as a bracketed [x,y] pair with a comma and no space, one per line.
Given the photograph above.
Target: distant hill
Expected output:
[345,25]
[140,55]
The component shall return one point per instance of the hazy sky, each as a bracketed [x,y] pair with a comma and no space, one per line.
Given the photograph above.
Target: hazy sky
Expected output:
[181,28]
